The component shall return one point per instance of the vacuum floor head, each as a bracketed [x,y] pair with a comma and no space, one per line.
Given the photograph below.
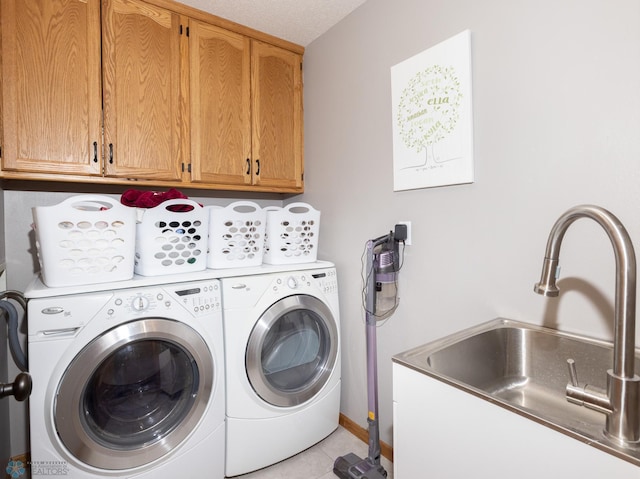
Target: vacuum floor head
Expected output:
[351,466]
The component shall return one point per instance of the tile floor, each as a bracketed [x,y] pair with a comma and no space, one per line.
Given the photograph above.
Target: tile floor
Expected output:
[317,461]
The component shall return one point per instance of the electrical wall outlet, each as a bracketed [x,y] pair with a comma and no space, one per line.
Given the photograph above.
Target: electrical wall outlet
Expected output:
[407,242]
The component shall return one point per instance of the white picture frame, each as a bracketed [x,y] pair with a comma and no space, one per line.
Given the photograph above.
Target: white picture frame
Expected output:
[432,116]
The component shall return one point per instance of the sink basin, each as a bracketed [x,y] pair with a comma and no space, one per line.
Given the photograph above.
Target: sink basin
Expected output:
[523,368]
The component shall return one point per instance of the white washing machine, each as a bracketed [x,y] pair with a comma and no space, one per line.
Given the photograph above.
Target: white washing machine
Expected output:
[127,383]
[282,353]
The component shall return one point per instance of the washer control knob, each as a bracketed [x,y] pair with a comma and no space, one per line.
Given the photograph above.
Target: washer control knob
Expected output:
[139,303]
[292,282]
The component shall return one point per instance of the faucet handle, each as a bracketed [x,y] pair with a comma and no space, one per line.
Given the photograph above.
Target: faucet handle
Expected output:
[573,373]
[585,394]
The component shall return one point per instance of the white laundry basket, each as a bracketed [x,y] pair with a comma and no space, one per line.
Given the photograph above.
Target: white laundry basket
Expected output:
[292,234]
[236,235]
[171,238]
[85,239]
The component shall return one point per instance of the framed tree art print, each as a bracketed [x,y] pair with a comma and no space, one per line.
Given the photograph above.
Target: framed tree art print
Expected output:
[432,116]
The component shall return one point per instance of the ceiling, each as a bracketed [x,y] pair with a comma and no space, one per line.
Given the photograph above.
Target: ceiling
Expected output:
[298,21]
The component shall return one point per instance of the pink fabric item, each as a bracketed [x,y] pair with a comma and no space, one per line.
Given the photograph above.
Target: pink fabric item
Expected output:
[151,199]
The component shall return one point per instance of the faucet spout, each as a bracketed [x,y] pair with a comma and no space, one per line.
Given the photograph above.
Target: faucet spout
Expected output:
[623,385]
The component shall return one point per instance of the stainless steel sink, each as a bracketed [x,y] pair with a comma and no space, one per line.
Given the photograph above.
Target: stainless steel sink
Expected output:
[523,368]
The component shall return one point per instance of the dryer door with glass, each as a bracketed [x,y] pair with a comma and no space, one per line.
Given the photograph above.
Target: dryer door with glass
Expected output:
[134,393]
[292,350]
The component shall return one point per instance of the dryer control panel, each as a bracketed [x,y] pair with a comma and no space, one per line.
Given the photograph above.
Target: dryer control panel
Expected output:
[245,292]
[327,281]
[324,280]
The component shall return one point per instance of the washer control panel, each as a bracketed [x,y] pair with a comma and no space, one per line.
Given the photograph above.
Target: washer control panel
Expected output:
[63,316]
[198,298]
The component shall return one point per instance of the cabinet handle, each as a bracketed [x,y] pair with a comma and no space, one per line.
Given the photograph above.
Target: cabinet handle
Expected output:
[257,167]
[95,151]
[111,153]
[248,166]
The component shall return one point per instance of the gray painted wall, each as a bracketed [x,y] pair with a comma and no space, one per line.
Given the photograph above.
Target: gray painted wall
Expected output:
[556,118]
[5,442]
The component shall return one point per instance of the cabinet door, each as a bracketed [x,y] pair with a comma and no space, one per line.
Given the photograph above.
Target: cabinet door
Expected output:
[141,85]
[220,115]
[51,86]
[276,79]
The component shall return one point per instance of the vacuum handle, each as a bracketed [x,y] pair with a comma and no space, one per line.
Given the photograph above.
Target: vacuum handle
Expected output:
[20,388]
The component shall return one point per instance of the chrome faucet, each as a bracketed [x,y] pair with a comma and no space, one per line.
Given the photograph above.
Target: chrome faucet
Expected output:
[621,399]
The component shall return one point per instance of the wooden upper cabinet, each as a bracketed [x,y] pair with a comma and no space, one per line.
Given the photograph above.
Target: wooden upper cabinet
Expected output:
[141,83]
[245,110]
[220,105]
[115,90]
[51,86]
[277,135]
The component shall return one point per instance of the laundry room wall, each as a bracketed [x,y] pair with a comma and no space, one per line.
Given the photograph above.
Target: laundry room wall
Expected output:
[5,442]
[556,119]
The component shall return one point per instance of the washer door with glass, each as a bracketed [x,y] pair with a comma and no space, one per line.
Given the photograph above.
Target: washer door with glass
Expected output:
[134,393]
[292,350]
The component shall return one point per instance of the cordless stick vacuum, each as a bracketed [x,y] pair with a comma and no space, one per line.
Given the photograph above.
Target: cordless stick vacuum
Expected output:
[382,265]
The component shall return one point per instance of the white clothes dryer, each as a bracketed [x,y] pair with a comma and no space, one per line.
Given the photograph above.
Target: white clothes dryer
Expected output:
[282,354]
[128,383]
